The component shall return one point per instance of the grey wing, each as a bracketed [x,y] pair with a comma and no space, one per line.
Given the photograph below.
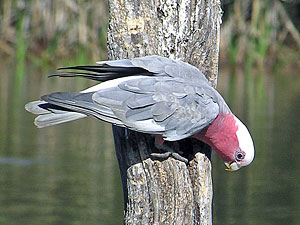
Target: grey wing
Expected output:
[184,111]
[162,66]
[160,106]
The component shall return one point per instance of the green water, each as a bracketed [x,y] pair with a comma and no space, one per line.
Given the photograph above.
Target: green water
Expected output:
[68,174]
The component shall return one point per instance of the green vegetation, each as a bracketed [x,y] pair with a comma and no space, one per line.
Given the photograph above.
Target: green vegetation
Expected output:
[49,30]
[257,33]
[254,33]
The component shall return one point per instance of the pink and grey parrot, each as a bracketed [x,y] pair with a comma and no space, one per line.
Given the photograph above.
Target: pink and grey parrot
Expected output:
[156,95]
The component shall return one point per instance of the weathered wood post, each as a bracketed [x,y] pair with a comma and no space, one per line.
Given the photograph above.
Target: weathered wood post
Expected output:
[169,191]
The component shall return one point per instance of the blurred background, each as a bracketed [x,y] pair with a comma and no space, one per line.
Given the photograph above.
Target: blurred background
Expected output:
[68,174]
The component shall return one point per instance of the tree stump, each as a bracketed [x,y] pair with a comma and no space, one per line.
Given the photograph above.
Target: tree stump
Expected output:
[168,191]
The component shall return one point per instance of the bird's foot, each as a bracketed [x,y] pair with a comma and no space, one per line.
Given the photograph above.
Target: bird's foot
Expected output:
[166,155]
[168,151]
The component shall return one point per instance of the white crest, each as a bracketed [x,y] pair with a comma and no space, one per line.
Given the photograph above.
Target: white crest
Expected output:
[245,142]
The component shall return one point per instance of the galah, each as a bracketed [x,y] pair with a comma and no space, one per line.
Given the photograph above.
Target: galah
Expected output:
[169,99]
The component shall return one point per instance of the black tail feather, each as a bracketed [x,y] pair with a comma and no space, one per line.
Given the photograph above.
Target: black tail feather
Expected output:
[51,107]
[91,76]
[101,72]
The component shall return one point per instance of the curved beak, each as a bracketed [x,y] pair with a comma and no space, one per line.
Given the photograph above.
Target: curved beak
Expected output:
[231,166]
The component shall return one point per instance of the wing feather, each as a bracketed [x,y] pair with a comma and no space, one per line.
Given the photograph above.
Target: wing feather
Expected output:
[149,65]
[152,94]
[178,109]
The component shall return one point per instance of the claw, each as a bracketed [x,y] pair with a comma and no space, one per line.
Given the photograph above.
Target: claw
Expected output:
[169,152]
[166,155]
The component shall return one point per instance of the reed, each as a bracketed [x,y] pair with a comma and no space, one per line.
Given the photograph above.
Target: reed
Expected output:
[52,29]
[20,49]
[253,31]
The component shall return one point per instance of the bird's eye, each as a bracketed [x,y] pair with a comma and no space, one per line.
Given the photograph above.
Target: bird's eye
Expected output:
[239,155]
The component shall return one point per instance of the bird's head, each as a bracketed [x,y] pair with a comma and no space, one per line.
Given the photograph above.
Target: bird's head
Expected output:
[231,140]
[243,154]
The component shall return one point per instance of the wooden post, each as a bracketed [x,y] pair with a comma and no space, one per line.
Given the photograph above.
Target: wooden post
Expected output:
[169,191]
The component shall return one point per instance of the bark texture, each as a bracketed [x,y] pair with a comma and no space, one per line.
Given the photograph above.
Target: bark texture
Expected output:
[168,191]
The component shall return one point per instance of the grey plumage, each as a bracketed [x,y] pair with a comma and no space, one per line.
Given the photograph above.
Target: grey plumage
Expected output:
[50,115]
[151,94]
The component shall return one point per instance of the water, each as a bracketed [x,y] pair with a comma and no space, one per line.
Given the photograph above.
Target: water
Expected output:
[68,174]
[59,175]
[268,191]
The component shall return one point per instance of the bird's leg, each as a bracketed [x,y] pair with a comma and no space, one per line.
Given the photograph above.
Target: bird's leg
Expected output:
[159,144]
